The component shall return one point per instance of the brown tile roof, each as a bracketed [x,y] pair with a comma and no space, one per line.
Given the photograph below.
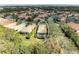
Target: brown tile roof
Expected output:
[5,21]
[29,28]
[73,25]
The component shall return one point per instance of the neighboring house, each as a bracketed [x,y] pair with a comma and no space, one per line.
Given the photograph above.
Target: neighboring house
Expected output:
[28,29]
[5,21]
[74,26]
[11,26]
[8,17]
[42,31]
[63,19]
[19,27]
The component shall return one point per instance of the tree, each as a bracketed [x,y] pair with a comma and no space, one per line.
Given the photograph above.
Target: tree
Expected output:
[70,33]
[38,48]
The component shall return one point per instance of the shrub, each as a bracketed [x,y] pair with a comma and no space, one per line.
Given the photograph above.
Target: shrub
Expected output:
[70,33]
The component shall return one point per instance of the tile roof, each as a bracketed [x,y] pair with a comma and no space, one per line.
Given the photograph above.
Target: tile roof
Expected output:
[29,28]
[5,21]
[73,25]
